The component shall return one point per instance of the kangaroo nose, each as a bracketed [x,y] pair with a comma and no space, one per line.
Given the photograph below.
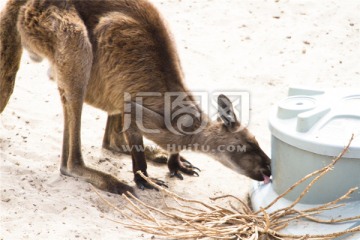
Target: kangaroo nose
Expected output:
[266,171]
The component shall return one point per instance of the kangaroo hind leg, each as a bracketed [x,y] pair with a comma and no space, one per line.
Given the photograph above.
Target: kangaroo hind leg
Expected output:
[10,51]
[114,140]
[70,52]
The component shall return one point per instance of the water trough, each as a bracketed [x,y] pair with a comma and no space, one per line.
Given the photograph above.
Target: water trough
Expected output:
[309,128]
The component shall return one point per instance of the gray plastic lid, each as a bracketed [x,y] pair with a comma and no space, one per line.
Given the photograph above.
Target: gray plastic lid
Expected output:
[318,121]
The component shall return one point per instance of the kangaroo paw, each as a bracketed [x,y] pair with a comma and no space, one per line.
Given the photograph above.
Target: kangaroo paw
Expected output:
[178,164]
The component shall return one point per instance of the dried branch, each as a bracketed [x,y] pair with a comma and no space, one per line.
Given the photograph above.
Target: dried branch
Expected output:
[193,219]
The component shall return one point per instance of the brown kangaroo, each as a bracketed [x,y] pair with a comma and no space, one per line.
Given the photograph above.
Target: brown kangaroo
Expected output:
[105,53]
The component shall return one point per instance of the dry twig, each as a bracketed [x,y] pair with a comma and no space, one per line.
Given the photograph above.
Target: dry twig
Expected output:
[201,220]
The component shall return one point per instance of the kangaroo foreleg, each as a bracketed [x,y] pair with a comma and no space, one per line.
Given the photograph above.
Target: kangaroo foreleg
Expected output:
[134,139]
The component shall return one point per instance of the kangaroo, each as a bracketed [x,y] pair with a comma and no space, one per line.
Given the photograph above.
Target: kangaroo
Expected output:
[105,53]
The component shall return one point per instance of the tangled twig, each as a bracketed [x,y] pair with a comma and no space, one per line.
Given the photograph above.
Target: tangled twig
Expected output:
[201,220]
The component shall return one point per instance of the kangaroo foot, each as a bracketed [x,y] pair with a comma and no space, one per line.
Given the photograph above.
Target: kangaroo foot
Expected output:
[156,155]
[113,185]
[143,184]
[100,180]
[116,144]
[178,164]
[117,149]
[114,139]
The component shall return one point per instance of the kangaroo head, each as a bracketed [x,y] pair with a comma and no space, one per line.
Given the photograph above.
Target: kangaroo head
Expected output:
[240,150]
[228,141]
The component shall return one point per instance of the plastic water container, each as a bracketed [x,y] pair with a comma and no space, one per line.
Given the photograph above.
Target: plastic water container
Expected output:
[309,129]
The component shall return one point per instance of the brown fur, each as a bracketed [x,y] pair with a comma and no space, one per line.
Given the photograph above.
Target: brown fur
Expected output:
[99,50]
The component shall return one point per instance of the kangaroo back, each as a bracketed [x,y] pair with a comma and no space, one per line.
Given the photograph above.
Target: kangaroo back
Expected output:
[10,49]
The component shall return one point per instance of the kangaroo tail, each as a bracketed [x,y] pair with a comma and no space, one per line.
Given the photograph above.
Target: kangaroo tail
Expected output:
[10,49]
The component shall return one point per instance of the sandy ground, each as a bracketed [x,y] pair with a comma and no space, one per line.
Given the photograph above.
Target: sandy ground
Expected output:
[260,46]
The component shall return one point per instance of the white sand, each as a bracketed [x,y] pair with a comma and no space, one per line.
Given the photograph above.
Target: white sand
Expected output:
[260,46]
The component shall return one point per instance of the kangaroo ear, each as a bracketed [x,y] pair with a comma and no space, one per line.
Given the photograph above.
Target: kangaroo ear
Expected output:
[226,112]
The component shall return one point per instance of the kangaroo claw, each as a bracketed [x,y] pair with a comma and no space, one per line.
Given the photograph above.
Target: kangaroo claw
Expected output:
[176,174]
[179,164]
[188,164]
